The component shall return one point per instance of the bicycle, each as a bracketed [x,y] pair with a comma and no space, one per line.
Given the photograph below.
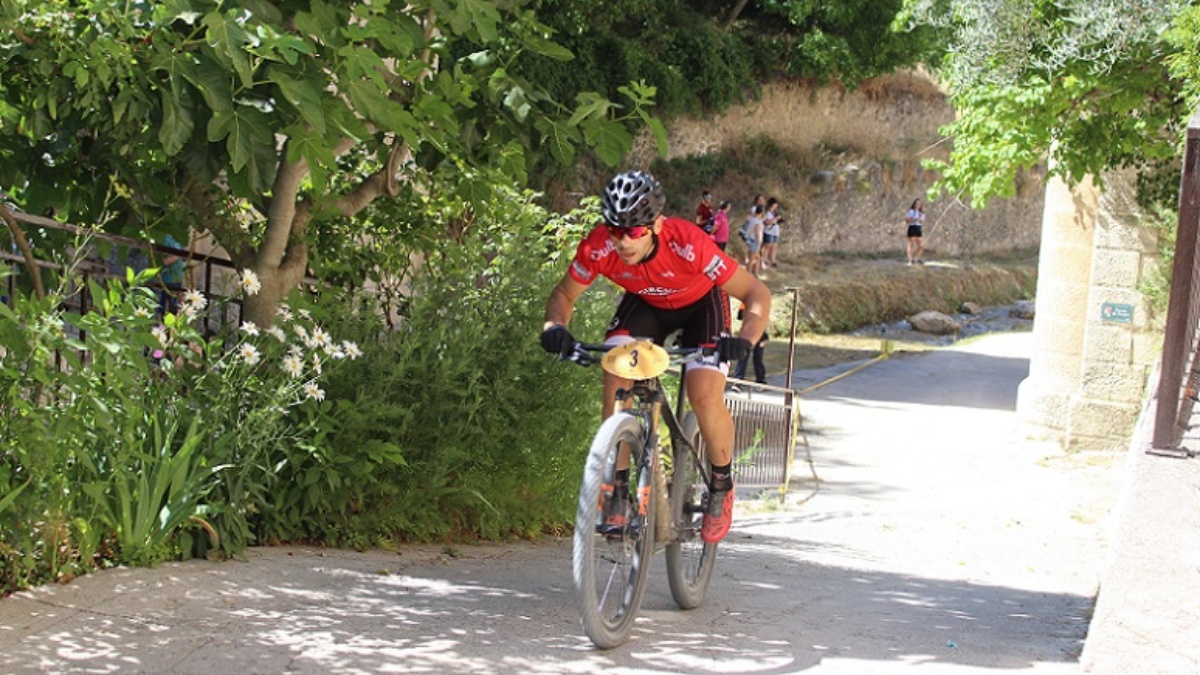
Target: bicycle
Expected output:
[665,497]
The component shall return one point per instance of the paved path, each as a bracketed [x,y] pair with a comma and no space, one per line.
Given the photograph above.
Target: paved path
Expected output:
[935,541]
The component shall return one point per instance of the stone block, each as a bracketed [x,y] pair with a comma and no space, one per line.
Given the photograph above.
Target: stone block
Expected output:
[1056,335]
[1089,443]
[1116,269]
[1062,299]
[1041,404]
[1065,262]
[1126,236]
[1108,344]
[1130,297]
[1101,419]
[1113,382]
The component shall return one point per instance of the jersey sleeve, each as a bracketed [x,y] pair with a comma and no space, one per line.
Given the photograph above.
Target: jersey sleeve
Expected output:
[585,268]
[712,262]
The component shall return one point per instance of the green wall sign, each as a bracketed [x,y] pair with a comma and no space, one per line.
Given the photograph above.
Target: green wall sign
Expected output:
[1116,312]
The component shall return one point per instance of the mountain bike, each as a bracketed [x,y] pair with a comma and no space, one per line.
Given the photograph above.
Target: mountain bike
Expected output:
[664,498]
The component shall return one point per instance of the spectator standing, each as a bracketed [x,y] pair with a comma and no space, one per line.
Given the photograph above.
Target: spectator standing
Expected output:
[760,367]
[720,233]
[171,276]
[915,220]
[770,240]
[704,212]
[751,233]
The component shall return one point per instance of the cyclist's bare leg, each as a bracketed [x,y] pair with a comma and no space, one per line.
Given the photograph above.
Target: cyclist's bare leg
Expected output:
[706,393]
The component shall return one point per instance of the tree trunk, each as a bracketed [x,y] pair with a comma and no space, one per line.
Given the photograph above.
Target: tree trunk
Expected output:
[277,281]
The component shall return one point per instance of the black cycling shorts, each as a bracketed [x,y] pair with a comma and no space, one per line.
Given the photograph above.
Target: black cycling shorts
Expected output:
[702,321]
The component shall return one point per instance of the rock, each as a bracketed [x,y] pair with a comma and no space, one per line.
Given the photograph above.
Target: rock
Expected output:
[1022,309]
[970,308]
[935,323]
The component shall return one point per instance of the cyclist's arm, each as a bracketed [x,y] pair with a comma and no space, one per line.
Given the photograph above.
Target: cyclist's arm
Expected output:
[561,302]
[756,299]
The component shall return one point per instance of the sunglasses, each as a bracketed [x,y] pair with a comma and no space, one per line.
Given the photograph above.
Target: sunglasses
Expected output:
[630,232]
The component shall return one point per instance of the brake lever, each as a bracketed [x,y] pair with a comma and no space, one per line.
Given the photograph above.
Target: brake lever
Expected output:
[580,356]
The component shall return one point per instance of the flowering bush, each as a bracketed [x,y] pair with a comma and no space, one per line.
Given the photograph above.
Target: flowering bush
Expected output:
[126,435]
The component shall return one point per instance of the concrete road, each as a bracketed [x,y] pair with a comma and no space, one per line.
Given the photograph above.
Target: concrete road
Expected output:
[932,539]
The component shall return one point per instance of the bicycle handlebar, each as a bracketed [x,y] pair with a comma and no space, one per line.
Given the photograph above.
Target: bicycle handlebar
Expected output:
[584,353]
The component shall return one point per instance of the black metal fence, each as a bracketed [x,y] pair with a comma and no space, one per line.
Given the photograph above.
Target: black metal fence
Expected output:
[207,274]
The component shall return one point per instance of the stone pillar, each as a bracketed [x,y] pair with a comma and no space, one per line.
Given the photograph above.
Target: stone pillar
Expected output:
[1064,272]
[1094,342]
[1120,340]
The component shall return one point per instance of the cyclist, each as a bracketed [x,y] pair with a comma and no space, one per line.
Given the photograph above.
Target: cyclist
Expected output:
[674,278]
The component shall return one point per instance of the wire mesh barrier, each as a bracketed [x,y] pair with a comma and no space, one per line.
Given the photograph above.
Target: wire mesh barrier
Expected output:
[765,420]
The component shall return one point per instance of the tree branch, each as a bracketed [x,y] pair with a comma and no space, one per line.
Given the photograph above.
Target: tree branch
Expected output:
[382,182]
[284,193]
[733,14]
[30,262]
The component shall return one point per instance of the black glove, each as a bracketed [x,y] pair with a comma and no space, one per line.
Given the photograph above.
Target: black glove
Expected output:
[733,349]
[558,340]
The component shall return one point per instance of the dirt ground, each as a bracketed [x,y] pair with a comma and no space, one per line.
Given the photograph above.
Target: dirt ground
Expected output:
[871,299]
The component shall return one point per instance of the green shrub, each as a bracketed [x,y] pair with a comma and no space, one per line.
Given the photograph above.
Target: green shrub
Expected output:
[128,438]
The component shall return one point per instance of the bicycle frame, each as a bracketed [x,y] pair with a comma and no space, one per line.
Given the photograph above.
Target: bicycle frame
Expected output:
[649,396]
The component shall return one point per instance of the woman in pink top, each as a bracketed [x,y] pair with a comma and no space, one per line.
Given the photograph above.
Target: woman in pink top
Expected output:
[720,233]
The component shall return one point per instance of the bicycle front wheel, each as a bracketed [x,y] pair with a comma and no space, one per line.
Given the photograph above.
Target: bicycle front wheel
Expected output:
[612,555]
[690,561]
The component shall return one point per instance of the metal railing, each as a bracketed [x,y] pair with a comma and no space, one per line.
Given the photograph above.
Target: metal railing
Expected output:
[205,271]
[766,423]
[1179,378]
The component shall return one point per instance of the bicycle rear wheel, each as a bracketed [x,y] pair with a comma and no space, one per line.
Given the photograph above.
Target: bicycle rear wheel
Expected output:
[611,564]
[690,561]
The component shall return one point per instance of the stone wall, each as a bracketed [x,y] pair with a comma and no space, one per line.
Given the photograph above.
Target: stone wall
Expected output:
[867,146]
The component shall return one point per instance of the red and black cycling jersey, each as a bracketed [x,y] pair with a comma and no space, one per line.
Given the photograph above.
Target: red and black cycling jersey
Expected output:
[686,265]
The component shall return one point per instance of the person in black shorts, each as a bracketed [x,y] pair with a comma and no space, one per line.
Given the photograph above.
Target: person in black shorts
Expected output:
[675,278]
[914,218]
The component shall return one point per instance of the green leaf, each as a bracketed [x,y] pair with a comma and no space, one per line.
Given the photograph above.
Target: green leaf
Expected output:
[212,81]
[303,95]
[560,138]
[177,124]
[609,139]
[547,48]
[245,131]
[590,105]
[228,40]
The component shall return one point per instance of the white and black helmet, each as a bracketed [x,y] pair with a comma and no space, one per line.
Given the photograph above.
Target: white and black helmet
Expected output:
[631,199]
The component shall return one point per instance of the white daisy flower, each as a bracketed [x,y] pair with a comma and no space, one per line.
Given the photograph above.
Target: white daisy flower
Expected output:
[302,333]
[194,298]
[304,313]
[141,313]
[249,328]
[249,282]
[284,313]
[351,349]
[320,338]
[334,351]
[316,361]
[313,391]
[277,333]
[292,365]
[249,353]
[160,332]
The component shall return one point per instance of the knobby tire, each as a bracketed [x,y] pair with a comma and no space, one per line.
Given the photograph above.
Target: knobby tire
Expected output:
[690,561]
[610,570]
